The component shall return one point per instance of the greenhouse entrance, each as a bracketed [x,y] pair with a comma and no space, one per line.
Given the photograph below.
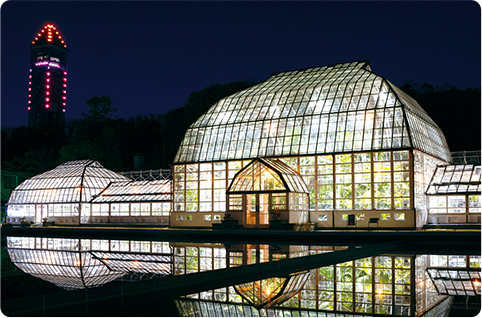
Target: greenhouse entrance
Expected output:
[257,212]
[267,190]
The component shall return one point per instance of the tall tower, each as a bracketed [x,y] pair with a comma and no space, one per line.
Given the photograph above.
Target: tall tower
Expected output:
[47,84]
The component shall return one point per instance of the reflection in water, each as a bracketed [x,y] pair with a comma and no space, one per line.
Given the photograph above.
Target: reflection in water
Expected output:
[85,263]
[272,291]
[406,285]
[464,282]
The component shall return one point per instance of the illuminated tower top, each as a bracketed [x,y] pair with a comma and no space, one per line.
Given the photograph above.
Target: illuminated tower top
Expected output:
[47,92]
[49,35]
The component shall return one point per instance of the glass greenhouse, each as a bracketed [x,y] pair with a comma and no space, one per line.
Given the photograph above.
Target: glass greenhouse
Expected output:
[454,194]
[358,147]
[101,196]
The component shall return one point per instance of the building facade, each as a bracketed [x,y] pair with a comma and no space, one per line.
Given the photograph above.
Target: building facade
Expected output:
[47,84]
[364,149]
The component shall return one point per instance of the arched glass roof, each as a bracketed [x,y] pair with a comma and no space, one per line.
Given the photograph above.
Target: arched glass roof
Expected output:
[71,182]
[329,109]
[267,175]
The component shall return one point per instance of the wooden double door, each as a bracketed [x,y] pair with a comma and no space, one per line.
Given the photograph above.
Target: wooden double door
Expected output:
[257,209]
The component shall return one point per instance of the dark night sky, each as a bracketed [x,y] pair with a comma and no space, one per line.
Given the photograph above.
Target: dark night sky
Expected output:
[149,56]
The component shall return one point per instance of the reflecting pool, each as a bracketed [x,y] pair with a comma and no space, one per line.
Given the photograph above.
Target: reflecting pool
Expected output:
[395,283]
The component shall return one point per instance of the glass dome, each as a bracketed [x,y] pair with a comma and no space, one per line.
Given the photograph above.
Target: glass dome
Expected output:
[71,182]
[330,109]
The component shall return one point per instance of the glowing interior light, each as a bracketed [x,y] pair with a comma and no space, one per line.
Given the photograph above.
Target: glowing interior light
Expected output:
[48,86]
[33,42]
[57,32]
[30,70]
[49,40]
[29,95]
[47,106]
[65,85]
[60,36]
[65,79]
[36,39]
[43,30]
[65,92]
[63,110]
[47,93]
[65,73]
[29,89]
[28,108]
[48,63]
[47,99]
[30,102]
[39,34]
[63,97]
[48,80]
[30,76]
[63,104]
[48,73]
[29,83]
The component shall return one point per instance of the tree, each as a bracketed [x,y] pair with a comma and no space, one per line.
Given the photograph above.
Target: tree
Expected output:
[97,136]
[99,109]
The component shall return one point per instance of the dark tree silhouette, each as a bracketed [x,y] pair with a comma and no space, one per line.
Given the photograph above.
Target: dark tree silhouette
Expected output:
[455,111]
[176,121]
